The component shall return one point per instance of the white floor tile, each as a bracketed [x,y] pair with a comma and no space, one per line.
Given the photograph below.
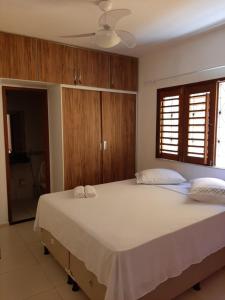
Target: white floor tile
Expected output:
[23,283]
[66,293]
[16,258]
[50,295]
[26,232]
[9,239]
[37,250]
[54,271]
[27,274]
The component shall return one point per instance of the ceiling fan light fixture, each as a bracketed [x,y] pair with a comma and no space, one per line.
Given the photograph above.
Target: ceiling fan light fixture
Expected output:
[105,5]
[107,38]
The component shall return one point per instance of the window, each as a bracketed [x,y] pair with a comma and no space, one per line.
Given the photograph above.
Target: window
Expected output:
[186,123]
[220,147]
[168,123]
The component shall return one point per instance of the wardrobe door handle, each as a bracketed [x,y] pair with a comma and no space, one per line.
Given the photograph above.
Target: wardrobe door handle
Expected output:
[79,77]
[105,145]
[75,77]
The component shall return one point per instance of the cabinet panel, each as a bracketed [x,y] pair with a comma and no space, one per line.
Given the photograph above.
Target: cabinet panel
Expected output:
[93,68]
[69,65]
[124,72]
[18,57]
[119,127]
[82,137]
[50,61]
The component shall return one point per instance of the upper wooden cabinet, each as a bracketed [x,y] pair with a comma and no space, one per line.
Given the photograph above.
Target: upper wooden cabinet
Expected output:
[93,68]
[40,60]
[124,72]
[69,66]
[50,61]
[18,57]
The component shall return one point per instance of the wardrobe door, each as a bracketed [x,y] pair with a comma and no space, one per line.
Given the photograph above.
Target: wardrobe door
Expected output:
[118,125]
[93,68]
[82,137]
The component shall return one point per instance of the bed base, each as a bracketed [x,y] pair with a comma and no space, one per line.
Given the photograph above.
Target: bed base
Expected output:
[80,277]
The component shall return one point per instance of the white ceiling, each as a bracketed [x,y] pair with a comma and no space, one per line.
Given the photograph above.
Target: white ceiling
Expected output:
[152,22]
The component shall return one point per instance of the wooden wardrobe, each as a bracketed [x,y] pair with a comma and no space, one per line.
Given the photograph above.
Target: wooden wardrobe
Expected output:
[99,130]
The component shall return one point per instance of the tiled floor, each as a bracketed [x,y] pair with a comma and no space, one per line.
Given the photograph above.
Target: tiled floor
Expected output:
[26,274]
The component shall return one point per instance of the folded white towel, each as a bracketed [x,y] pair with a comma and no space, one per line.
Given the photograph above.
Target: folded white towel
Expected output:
[79,192]
[90,191]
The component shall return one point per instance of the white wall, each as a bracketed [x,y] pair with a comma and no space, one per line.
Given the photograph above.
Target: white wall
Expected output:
[3,186]
[197,53]
[56,138]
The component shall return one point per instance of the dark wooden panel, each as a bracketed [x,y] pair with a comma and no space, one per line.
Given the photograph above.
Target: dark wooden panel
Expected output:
[93,68]
[124,72]
[82,137]
[18,57]
[50,61]
[69,65]
[119,124]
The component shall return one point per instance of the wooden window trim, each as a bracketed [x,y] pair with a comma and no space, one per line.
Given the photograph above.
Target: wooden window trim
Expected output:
[210,135]
[184,91]
[162,94]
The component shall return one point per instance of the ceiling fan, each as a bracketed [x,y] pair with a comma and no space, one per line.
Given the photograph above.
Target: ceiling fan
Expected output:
[108,36]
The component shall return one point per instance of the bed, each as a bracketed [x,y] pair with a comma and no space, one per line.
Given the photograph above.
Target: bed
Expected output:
[133,241]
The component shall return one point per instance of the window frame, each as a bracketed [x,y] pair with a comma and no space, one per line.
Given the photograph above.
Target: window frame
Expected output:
[162,93]
[184,92]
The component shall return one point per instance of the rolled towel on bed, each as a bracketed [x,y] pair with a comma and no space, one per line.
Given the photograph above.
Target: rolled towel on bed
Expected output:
[90,191]
[79,192]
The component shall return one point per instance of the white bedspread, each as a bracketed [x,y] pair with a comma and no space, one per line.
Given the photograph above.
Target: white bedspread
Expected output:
[133,237]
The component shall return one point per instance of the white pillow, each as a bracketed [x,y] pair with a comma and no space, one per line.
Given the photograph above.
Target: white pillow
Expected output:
[159,176]
[210,190]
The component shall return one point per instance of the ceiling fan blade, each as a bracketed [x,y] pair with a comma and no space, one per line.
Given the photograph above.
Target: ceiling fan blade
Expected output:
[79,35]
[107,38]
[127,38]
[112,17]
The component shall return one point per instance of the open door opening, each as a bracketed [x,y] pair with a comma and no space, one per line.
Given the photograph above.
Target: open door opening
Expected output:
[27,150]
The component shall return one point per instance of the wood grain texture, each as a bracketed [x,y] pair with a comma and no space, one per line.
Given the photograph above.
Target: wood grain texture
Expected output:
[119,130]
[18,57]
[69,65]
[40,60]
[50,61]
[93,68]
[124,72]
[210,122]
[82,137]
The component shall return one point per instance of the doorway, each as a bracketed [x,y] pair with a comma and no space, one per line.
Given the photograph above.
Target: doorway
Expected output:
[27,150]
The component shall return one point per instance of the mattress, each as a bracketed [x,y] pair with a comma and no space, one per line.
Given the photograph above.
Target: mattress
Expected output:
[133,237]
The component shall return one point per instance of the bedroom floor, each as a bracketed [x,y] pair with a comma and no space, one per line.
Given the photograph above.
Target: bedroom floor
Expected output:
[26,274]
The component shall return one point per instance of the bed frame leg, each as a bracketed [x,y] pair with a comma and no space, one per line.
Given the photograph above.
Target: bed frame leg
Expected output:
[197,287]
[46,251]
[70,280]
[76,287]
